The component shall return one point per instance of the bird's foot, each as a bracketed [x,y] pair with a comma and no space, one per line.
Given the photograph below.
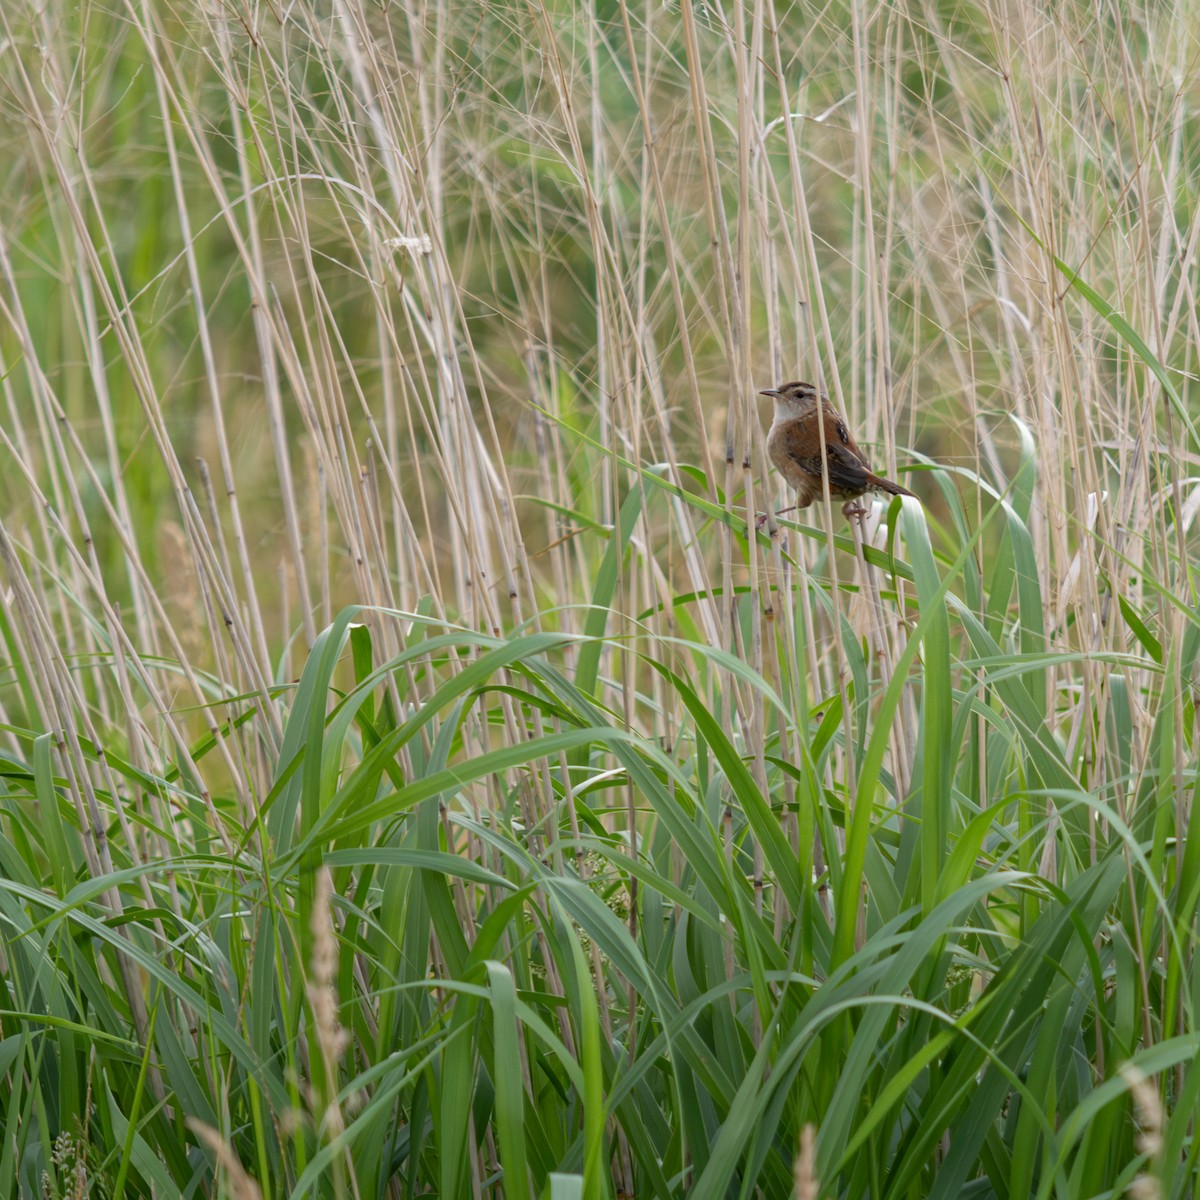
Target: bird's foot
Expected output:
[853,509]
[783,512]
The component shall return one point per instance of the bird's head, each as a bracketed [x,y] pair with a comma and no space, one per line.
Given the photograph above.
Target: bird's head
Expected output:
[792,399]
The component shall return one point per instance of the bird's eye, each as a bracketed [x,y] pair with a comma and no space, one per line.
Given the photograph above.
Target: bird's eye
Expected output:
[841,429]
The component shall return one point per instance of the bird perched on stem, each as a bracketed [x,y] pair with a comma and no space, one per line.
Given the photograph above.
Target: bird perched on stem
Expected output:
[794,446]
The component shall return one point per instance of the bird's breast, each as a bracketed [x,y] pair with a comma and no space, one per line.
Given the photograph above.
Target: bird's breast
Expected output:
[777,451]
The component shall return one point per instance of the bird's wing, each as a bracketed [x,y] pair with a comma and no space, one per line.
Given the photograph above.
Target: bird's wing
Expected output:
[848,471]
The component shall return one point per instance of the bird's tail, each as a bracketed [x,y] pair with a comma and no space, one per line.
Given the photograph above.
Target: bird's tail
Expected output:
[886,485]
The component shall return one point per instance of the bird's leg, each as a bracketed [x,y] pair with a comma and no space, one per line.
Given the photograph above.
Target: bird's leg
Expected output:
[762,517]
[852,509]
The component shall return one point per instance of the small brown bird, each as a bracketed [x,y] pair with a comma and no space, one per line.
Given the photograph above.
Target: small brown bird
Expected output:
[794,446]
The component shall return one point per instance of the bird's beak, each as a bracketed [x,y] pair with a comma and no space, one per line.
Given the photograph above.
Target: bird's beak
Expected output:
[769,392]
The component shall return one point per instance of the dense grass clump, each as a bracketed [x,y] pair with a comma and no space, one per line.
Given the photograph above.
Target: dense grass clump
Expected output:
[420,777]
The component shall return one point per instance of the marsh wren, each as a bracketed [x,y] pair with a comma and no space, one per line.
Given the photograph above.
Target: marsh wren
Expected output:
[794,446]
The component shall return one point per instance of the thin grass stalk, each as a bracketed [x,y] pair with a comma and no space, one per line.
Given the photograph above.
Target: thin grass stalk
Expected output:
[94,842]
[258,633]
